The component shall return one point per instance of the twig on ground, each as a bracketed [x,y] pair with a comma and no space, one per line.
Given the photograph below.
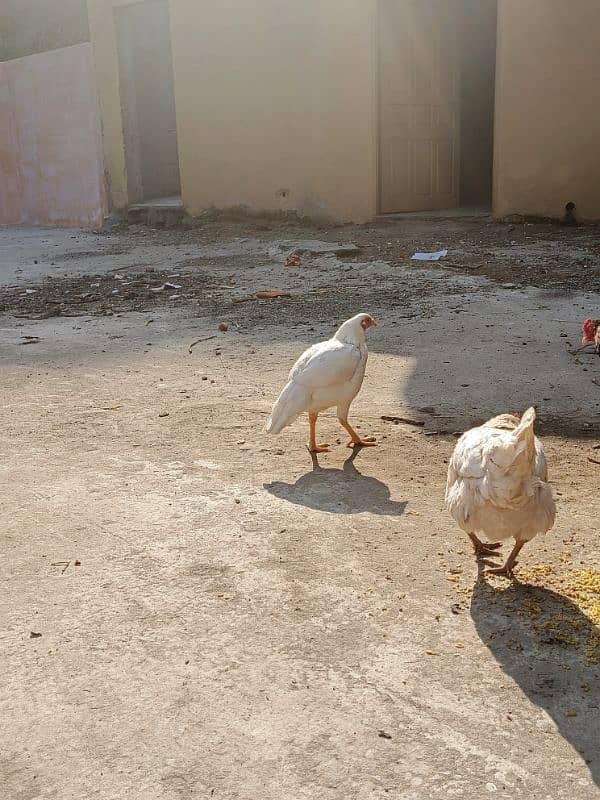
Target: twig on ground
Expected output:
[204,339]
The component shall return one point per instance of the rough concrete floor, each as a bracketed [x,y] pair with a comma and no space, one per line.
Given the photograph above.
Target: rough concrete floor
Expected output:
[194,610]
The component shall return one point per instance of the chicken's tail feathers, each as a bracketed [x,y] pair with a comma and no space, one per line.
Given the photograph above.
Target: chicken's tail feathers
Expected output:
[288,406]
[528,419]
[524,429]
[525,433]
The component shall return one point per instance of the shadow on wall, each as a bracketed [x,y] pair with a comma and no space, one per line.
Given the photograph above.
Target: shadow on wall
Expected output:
[542,640]
[339,491]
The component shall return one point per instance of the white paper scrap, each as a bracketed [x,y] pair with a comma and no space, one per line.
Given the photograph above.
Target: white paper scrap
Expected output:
[430,256]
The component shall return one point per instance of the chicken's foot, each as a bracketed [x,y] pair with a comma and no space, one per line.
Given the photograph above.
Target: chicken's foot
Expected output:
[484,548]
[511,563]
[355,440]
[312,445]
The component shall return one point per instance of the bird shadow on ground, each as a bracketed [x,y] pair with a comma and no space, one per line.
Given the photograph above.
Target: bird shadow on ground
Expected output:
[547,645]
[339,491]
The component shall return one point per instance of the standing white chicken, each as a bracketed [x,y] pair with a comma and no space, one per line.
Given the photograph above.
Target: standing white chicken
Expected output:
[327,374]
[497,486]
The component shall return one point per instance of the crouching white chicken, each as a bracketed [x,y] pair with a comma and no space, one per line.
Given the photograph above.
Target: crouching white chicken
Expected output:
[497,486]
[327,374]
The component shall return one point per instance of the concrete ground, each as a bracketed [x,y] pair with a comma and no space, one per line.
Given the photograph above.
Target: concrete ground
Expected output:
[193,609]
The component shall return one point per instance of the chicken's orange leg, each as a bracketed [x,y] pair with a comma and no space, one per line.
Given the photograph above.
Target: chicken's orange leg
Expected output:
[355,439]
[511,563]
[313,447]
[482,548]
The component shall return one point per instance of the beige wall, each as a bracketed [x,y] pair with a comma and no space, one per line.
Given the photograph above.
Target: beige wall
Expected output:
[276,105]
[547,111]
[36,26]
[51,168]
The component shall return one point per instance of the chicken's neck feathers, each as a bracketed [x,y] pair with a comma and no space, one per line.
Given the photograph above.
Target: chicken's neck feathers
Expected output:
[351,333]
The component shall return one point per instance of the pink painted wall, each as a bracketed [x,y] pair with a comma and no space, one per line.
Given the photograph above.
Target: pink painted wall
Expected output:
[51,163]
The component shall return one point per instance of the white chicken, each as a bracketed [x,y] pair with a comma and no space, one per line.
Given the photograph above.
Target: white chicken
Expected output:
[327,374]
[497,486]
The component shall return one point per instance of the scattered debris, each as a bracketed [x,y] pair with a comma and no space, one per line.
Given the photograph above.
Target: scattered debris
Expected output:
[30,339]
[403,420]
[271,295]
[164,414]
[223,327]
[293,260]
[34,635]
[314,247]
[383,735]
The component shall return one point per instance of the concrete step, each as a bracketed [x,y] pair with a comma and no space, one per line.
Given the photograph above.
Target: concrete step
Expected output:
[163,212]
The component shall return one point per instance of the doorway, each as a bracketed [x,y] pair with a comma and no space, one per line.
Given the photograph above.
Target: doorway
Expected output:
[437,63]
[148,100]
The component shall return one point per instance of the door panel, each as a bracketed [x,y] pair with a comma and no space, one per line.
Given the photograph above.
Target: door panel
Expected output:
[419,104]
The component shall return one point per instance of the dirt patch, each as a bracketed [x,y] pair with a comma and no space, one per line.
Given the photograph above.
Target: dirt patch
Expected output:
[103,294]
[543,255]
[196,606]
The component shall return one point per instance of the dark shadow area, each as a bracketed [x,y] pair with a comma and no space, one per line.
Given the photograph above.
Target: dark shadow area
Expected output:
[545,643]
[477,93]
[339,491]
